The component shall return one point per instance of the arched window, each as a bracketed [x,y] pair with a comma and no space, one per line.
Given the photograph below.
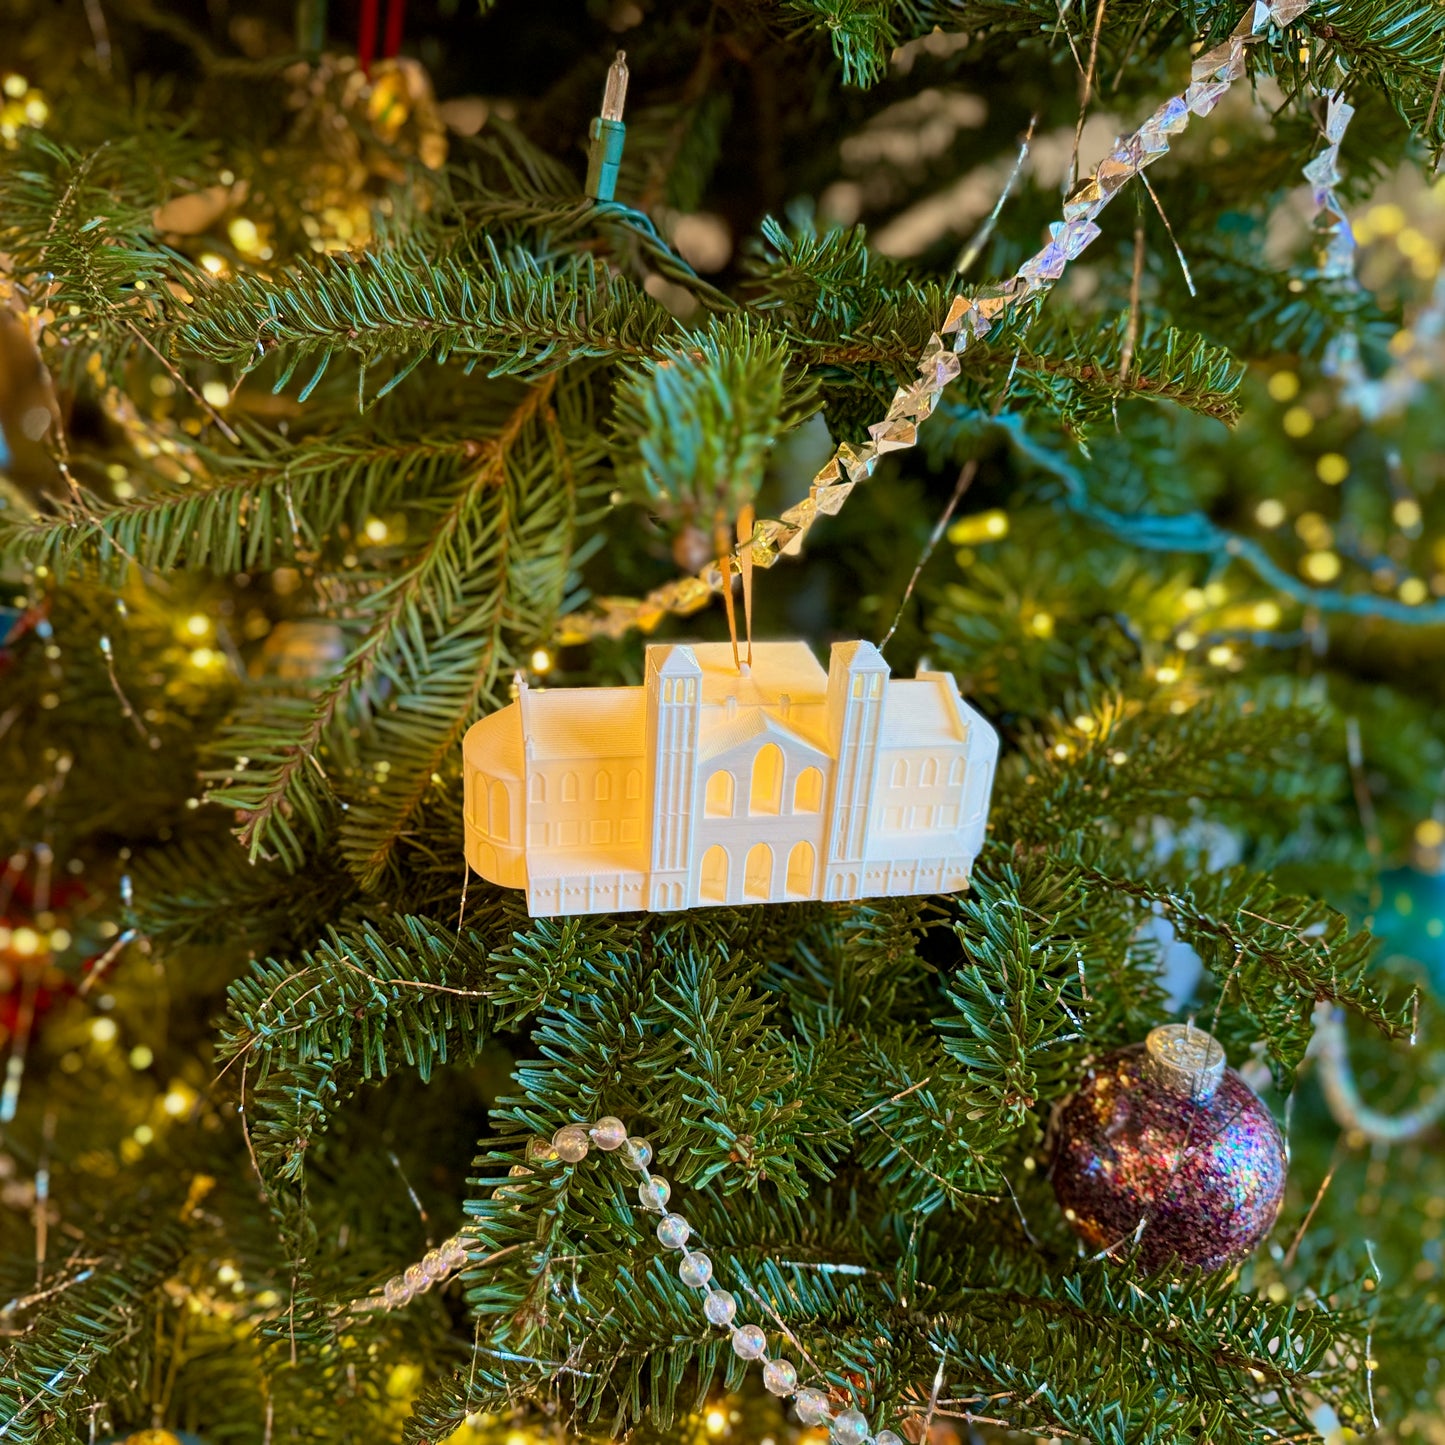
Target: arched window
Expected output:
[766,795]
[501,813]
[714,881]
[718,802]
[900,773]
[758,873]
[929,776]
[569,787]
[539,788]
[634,783]
[800,870]
[602,788]
[955,772]
[808,792]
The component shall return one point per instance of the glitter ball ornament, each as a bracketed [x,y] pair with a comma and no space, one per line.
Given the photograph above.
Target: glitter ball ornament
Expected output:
[1162,1135]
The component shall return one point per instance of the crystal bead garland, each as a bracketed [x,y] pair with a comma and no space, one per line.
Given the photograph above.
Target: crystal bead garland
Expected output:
[572,1143]
[970,318]
[436,1266]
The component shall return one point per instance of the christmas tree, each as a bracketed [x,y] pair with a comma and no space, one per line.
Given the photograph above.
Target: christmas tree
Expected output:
[363,373]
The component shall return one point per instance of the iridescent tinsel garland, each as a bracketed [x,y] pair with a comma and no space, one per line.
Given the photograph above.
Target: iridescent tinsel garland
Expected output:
[570,1145]
[1372,396]
[970,318]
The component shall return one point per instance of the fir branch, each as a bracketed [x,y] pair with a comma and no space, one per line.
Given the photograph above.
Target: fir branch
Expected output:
[526,316]
[692,426]
[60,1335]
[284,792]
[369,999]
[1274,956]
[252,512]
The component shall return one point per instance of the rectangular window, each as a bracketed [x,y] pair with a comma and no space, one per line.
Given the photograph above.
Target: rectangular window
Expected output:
[630,830]
[600,831]
[857,687]
[875,688]
[948,816]
[571,833]
[893,820]
[536,835]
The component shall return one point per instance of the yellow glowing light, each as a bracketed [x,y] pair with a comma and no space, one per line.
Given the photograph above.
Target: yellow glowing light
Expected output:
[404,1381]
[1216,594]
[1430,833]
[1085,723]
[141,1057]
[16,86]
[178,1100]
[1265,614]
[1221,654]
[103,1031]
[1413,591]
[1332,469]
[244,234]
[213,263]
[1298,422]
[1187,641]
[59,940]
[980,527]
[203,657]
[1320,566]
[376,529]
[25,941]
[1284,386]
[1061,750]
[1118,757]
[1270,512]
[1167,673]
[216,393]
[228,1274]
[1041,624]
[198,624]
[1314,531]
[1386,220]
[515,1437]
[1406,513]
[717,1421]
[541,660]
[1194,599]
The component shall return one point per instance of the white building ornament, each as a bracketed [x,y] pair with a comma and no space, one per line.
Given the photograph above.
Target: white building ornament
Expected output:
[714,785]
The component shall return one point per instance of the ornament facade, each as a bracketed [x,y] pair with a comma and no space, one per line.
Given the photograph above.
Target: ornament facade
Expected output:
[712,785]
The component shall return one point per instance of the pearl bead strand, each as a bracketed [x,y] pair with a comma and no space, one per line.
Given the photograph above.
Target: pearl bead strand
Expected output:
[573,1142]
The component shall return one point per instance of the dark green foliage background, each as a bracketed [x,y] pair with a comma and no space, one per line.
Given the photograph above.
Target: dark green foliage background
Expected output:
[370,1047]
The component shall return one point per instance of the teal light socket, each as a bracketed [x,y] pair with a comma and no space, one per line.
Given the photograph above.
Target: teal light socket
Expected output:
[604,156]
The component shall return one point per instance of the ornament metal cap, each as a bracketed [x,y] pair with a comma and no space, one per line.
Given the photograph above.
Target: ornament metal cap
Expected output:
[1184,1060]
